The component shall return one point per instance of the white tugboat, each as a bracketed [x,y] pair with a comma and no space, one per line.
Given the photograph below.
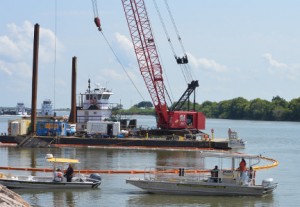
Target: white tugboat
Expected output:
[47,108]
[20,109]
[93,106]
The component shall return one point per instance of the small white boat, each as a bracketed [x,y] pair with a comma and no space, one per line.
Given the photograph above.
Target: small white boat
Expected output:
[20,109]
[187,181]
[234,142]
[79,181]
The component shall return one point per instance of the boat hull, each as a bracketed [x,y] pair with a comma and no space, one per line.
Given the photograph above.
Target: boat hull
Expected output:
[237,144]
[32,182]
[200,188]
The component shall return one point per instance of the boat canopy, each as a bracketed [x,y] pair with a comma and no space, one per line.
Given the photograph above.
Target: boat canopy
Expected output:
[228,155]
[62,160]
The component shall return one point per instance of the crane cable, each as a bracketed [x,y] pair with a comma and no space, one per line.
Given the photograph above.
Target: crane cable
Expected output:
[97,22]
[174,25]
[186,67]
[121,65]
[95,8]
[166,78]
[168,36]
[55,61]
[164,27]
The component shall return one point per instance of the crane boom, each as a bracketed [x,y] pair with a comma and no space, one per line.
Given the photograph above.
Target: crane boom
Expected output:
[185,96]
[146,53]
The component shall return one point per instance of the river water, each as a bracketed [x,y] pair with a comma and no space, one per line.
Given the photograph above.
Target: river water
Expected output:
[278,140]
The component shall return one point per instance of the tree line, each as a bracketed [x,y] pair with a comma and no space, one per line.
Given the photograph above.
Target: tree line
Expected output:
[278,109]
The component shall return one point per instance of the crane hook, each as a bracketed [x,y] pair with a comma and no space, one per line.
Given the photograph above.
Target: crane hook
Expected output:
[98,24]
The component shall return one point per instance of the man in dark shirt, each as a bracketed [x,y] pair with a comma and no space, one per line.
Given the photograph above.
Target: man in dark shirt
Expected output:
[69,173]
[214,174]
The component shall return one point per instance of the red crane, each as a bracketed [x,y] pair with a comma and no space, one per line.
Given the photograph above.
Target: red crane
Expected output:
[151,70]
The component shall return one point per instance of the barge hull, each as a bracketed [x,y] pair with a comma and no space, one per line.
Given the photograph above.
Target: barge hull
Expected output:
[124,142]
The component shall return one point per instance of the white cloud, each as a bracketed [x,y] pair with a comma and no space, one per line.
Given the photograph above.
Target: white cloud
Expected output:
[8,47]
[17,48]
[113,74]
[124,42]
[4,68]
[206,63]
[18,69]
[47,46]
[117,75]
[281,70]
[273,62]
[22,38]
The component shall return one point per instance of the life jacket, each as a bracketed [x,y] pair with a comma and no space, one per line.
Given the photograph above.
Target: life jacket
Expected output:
[242,166]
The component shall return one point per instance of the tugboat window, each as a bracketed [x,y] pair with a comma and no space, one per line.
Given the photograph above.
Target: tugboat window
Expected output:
[106,96]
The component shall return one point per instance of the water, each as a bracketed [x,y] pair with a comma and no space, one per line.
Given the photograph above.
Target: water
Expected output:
[278,140]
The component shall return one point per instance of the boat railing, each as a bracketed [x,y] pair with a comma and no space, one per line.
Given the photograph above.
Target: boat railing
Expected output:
[233,135]
[29,178]
[175,174]
[91,118]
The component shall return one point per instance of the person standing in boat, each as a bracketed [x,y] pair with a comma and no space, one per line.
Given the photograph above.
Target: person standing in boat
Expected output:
[242,167]
[251,175]
[215,174]
[69,173]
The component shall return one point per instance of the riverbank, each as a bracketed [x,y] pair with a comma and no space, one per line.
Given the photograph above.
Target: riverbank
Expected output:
[10,198]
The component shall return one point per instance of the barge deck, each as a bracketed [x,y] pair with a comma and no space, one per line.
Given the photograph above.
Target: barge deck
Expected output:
[114,142]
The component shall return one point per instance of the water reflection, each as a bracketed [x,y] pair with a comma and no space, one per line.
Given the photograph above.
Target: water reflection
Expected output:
[212,201]
[179,159]
[70,198]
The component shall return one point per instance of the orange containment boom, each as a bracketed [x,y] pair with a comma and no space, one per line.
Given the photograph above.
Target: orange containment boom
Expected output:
[274,163]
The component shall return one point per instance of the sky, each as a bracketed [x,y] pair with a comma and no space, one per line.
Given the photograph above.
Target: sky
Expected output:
[246,49]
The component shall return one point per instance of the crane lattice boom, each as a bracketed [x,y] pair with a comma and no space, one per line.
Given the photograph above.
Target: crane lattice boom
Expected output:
[146,53]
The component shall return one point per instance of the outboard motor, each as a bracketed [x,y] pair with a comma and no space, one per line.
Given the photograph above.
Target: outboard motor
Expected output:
[267,182]
[95,176]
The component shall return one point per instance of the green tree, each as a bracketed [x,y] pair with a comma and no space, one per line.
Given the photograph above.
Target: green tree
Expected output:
[280,109]
[144,104]
[238,108]
[278,101]
[294,107]
[224,109]
[210,109]
[260,109]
